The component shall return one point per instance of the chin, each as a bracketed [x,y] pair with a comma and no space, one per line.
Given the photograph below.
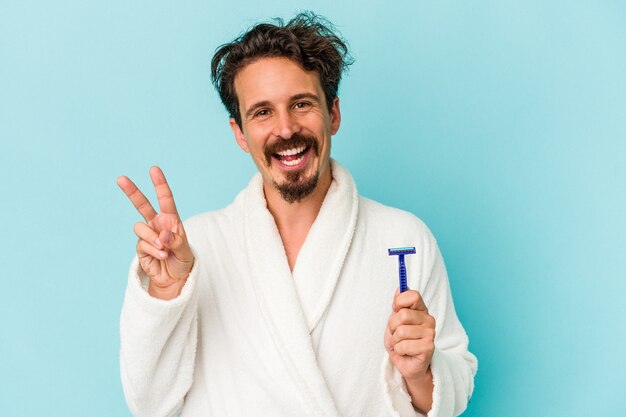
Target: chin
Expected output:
[297,185]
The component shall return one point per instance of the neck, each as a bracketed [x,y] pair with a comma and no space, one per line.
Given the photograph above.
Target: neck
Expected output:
[294,220]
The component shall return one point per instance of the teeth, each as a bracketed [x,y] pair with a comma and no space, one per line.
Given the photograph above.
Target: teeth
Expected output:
[289,152]
[294,162]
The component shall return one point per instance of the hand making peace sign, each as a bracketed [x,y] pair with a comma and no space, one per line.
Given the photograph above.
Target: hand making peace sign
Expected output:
[163,250]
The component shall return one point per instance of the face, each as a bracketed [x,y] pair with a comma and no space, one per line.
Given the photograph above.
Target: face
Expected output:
[286,126]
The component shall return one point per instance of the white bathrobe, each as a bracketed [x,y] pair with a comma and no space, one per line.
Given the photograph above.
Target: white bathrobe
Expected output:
[248,337]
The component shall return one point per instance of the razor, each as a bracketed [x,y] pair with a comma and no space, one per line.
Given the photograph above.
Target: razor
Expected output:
[400,252]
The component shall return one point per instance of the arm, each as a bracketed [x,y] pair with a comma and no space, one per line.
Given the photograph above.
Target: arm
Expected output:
[158,325]
[158,344]
[447,359]
[452,364]
[409,340]
[420,389]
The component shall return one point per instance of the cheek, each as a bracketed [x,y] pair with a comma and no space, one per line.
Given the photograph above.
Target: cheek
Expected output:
[257,149]
[250,138]
[257,137]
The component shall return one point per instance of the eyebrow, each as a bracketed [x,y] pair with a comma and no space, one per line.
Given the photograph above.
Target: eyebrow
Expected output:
[311,96]
[296,97]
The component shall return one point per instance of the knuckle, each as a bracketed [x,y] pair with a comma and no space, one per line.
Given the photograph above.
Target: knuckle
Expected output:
[143,205]
[430,334]
[400,347]
[418,301]
[405,315]
[401,332]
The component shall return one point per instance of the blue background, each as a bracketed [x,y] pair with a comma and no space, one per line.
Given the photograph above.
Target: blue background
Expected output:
[502,124]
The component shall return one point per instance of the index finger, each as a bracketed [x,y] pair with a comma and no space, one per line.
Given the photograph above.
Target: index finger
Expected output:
[139,200]
[163,192]
[409,299]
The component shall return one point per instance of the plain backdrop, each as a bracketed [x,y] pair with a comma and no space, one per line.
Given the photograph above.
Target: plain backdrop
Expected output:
[502,124]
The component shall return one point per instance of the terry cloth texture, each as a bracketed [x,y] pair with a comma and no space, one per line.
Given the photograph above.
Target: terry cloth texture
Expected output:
[248,337]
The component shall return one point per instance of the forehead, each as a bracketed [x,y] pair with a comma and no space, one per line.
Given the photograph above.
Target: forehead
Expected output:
[274,79]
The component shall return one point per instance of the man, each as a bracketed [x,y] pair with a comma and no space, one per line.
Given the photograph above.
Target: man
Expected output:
[278,305]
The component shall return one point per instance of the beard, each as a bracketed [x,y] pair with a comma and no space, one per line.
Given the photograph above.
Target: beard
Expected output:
[296,186]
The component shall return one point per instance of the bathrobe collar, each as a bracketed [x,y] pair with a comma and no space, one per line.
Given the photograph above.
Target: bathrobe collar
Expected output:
[293,304]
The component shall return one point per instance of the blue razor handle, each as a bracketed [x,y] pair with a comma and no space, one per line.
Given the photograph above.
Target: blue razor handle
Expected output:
[400,252]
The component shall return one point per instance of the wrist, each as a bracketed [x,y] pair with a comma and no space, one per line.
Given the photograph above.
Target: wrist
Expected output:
[420,388]
[420,378]
[168,292]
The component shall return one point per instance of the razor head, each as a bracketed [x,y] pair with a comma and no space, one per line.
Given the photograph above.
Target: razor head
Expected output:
[401,251]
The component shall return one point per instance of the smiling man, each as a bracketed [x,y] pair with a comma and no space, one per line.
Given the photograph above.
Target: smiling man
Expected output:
[281,101]
[279,304]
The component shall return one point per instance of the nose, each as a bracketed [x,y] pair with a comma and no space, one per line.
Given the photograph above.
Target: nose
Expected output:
[286,125]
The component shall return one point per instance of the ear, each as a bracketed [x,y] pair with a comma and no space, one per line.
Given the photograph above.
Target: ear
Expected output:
[239,137]
[335,116]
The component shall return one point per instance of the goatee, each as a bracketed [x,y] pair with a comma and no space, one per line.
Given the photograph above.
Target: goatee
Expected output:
[296,187]
[294,191]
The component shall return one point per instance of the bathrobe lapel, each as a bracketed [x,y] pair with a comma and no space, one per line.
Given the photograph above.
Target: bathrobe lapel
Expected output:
[291,314]
[322,256]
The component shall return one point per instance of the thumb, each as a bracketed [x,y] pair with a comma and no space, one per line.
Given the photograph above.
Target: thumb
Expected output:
[176,243]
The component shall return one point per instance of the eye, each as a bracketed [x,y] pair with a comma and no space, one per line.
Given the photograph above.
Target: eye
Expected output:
[302,105]
[262,113]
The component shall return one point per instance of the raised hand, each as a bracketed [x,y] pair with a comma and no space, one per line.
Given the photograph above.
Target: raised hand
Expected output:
[410,342]
[163,250]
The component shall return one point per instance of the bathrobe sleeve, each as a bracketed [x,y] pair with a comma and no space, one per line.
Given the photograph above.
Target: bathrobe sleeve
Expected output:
[452,365]
[158,346]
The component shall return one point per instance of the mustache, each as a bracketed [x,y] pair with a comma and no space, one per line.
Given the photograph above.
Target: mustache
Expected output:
[297,140]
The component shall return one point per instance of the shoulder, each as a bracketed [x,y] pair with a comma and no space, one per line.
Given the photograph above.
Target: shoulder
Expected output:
[391,218]
[395,227]
[215,224]
[385,227]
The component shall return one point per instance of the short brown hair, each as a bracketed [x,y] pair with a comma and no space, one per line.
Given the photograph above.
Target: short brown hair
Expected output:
[307,39]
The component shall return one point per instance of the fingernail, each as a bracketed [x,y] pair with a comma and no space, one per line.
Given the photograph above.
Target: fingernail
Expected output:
[162,254]
[158,243]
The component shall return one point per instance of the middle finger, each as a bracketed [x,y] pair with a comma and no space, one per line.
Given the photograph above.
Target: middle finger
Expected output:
[412,332]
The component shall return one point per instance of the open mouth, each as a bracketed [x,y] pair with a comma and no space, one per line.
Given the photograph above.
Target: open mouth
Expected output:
[294,157]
